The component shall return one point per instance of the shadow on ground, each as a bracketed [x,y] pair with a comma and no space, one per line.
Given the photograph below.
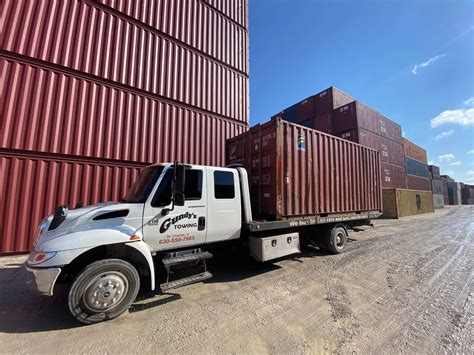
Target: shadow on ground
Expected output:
[23,310]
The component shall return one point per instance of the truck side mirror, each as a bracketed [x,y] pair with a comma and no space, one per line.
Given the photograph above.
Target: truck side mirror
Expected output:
[179,178]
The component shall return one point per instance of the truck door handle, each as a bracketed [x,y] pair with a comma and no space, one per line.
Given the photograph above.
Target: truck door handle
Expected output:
[201,223]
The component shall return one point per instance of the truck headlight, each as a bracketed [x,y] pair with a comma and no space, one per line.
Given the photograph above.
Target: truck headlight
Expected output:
[40,257]
[41,229]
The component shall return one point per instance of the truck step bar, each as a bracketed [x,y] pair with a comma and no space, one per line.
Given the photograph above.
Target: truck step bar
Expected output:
[187,258]
[185,281]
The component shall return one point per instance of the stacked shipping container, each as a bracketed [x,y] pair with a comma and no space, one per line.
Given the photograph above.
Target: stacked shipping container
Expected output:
[416,167]
[436,186]
[467,194]
[99,89]
[335,112]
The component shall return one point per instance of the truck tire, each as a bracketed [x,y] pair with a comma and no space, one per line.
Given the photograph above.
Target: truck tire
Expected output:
[336,240]
[103,290]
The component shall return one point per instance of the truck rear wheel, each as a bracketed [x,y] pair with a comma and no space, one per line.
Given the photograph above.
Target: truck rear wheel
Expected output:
[103,290]
[336,240]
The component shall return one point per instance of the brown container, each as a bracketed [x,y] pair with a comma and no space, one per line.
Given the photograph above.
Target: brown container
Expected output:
[295,171]
[52,112]
[401,202]
[393,176]
[321,123]
[414,151]
[328,100]
[468,201]
[467,192]
[434,170]
[418,183]
[193,23]
[390,151]
[305,109]
[357,115]
[83,37]
[32,187]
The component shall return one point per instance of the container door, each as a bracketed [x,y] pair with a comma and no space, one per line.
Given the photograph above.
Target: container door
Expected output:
[181,226]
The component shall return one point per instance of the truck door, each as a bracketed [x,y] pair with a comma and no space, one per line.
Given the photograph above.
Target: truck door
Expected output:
[224,204]
[183,225]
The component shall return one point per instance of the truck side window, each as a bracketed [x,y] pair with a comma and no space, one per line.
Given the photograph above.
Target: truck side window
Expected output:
[192,188]
[224,185]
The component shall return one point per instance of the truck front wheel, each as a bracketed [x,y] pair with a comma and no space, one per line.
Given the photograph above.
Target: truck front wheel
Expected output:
[336,240]
[103,290]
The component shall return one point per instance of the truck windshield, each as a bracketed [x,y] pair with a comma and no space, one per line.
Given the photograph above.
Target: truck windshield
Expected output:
[141,188]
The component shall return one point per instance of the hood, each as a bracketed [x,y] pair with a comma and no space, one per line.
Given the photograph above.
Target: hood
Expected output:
[93,218]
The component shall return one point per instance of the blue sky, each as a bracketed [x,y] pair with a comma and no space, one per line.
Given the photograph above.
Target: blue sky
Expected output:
[369,49]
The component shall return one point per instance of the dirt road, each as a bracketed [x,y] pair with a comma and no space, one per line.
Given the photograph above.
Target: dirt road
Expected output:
[403,286]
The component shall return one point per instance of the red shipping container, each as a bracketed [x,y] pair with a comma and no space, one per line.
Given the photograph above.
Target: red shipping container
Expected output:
[128,54]
[305,109]
[295,171]
[418,183]
[356,115]
[390,151]
[393,176]
[31,188]
[328,100]
[321,123]
[58,113]
[196,24]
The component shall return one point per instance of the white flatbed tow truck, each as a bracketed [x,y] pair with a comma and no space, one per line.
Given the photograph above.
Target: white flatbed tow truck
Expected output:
[106,252]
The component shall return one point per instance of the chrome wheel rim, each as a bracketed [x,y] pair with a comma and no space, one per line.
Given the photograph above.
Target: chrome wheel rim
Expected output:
[106,291]
[339,240]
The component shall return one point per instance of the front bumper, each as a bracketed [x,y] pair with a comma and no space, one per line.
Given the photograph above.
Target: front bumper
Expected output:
[42,279]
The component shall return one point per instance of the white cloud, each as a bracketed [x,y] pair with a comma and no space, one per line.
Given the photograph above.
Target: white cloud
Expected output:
[446,157]
[444,134]
[470,180]
[462,117]
[430,61]
[404,134]
[470,172]
[458,162]
[469,101]
[470,151]
[431,162]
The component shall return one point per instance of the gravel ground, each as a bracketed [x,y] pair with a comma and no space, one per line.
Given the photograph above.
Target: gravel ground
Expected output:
[402,286]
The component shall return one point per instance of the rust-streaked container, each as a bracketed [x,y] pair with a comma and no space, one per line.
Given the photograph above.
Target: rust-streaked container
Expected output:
[356,115]
[31,188]
[393,176]
[194,23]
[418,183]
[53,112]
[390,151]
[93,40]
[296,172]
[414,151]
[402,202]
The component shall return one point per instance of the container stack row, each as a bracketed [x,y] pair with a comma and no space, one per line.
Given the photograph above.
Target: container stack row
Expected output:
[440,193]
[467,194]
[404,165]
[335,112]
[99,89]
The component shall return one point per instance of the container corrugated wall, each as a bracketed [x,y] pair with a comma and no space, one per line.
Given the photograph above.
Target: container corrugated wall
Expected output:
[295,171]
[100,44]
[31,188]
[54,112]
[401,202]
[115,85]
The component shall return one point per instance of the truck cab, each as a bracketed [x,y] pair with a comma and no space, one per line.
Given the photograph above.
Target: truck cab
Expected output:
[107,249]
